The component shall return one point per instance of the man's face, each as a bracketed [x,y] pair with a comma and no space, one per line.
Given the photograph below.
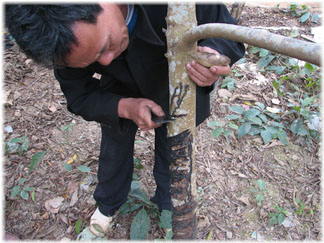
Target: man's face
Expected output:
[101,42]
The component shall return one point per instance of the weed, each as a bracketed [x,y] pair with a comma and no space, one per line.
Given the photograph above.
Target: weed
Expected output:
[24,192]
[302,12]
[278,216]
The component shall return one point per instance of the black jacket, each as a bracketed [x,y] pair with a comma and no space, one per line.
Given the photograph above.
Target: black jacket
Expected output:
[141,70]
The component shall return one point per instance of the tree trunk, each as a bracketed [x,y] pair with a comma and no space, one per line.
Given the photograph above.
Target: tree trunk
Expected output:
[182,35]
[181,132]
[237,9]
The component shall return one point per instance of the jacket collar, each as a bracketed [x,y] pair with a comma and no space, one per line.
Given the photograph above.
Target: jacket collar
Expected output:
[144,30]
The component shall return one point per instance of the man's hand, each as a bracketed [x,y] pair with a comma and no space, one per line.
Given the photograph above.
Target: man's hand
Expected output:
[140,111]
[204,76]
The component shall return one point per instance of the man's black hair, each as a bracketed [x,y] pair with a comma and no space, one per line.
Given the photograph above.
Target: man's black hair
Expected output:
[45,32]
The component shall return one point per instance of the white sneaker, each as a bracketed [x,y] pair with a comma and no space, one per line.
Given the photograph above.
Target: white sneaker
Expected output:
[99,223]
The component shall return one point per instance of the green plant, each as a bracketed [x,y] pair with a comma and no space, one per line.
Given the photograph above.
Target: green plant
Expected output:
[256,121]
[260,192]
[18,144]
[302,12]
[278,216]
[220,128]
[138,199]
[229,80]
[23,191]
[302,209]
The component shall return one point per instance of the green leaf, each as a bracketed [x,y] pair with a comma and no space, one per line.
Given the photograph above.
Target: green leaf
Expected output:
[263,118]
[138,166]
[227,133]
[128,207]
[297,127]
[228,83]
[236,109]
[304,17]
[29,189]
[315,17]
[23,147]
[14,191]
[244,129]
[24,195]
[261,185]
[84,169]
[36,159]
[307,101]
[78,226]
[259,199]
[233,126]
[33,195]
[263,52]
[169,235]
[254,49]
[138,193]
[273,219]
[278,69]
[166,219]
[255,120]
[140,226]
[283,137]
[232,117]
[277,124]
[254,130]
[281,218]
[68,167]
[18,140]
[251,113]
[21,181]
[309,68]
[214,124]
[266,136]
[137,160]
[265,61]
[216,132]
[260,105]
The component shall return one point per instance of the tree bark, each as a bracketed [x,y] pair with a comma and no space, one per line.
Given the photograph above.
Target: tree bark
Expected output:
[303,50]
[181,132]
[237,9]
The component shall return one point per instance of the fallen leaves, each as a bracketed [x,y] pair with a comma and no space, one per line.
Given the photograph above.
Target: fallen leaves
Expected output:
[53,205]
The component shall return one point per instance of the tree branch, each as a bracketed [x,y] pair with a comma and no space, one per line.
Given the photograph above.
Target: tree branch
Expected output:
[303,50]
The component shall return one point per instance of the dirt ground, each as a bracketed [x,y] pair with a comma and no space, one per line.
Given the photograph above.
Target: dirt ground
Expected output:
[227,168]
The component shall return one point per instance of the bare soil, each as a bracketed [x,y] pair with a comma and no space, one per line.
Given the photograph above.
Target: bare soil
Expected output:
[227,168]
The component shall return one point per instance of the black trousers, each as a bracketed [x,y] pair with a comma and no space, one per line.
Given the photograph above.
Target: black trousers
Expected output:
[116,164]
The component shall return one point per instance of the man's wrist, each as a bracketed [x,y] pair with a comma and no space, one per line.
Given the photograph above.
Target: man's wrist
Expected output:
[123,105]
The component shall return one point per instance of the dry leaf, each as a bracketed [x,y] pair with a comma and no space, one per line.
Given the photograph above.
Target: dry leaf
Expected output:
[275,101]
[244,199]
[74,157]
[72,186]
[53,205]
[74,198]
[203,221]
[52,108]
[224,93]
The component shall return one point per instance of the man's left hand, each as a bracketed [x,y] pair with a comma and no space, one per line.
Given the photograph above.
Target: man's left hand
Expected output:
[204,76]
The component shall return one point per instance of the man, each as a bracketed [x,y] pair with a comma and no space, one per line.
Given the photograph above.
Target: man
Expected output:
[126,45]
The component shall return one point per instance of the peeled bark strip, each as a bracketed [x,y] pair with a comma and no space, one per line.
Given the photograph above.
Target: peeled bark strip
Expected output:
[303,50]
[183,183]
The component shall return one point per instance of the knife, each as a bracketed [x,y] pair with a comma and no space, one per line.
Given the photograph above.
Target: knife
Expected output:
[162,119]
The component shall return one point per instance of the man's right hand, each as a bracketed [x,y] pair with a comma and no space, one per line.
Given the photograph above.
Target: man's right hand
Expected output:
[140,111]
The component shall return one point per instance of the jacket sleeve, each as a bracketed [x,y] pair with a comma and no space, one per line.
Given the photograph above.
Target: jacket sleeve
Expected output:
[219,14]
[86,97]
